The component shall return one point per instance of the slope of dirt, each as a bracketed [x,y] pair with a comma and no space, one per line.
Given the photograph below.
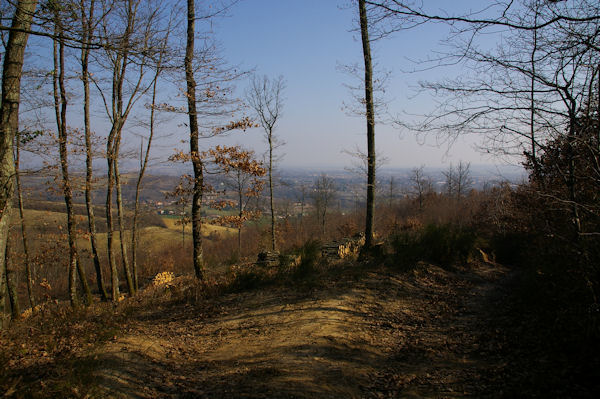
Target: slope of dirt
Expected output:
[379,334]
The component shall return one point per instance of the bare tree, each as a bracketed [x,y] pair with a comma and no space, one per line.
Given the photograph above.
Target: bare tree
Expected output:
[11,285]
[458,180]
[301,197]
[370,115]
[420,185]
[9,115]
[60,109]
[265,96]
[244,174]
[128,50]
[324,191]
[145,155]
[24,138]
[194,145]
[88,27]
[208,84]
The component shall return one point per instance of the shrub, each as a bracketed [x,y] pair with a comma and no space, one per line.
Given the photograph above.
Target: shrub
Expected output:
[443,245]
[309,254]
[406,246]
[247,277]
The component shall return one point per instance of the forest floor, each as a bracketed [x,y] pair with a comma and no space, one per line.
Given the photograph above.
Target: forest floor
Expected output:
[353,332]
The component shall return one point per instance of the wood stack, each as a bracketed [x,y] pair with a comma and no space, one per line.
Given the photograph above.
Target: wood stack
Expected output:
[343,248]
[268,259]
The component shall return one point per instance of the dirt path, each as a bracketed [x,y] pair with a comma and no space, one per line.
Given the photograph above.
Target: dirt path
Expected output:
[385,334]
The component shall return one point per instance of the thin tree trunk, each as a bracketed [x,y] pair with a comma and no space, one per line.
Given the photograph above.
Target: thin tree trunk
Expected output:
[364,29]
[11,283]
[114,274]
[3,294]
[60,107]
[89,170]
[9,115]
[143,165]
[273,243]
[194,145]
[240,214]
[121,222]
[28,272]
[534,160]
[119,117]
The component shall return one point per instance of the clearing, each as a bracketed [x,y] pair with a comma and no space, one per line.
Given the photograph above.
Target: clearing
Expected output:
[348,332]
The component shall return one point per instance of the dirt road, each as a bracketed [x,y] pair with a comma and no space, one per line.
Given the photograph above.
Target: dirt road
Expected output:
[378,333]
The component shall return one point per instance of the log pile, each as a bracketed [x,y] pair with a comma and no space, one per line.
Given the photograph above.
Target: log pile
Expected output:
[343,248]
[268,259]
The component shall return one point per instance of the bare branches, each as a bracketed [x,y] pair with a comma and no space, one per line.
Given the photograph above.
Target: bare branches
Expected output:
[265,97]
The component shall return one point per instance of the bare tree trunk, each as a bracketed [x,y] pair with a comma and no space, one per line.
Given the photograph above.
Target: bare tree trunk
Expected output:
[194,145]
[11,284]
[114,274]
[138,186]
[143,165]
[3,316]
[60,107]
[89,170]
[240,213]
[9,115]
[28,272]
[273,243]
[121,222]
[364,30]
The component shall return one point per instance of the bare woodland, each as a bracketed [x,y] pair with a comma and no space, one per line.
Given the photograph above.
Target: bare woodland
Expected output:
[504,274]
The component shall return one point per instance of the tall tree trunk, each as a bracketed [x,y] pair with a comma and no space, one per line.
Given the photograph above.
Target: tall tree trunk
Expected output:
[9,115]
[60,107]
[364,30]
[273,243]
[28,272]
[11,284]
[194,145]
[143,165]
[534,160]
[3,294]
[121,222]
[112,264]
[240,213]
[89,170]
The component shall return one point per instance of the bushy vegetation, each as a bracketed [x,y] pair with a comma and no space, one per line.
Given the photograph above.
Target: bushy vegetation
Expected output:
[443,245]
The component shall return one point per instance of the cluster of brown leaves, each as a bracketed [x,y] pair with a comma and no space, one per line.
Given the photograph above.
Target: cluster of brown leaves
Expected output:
[237,221]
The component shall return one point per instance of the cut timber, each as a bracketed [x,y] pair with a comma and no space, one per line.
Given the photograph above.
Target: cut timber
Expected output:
[268,259]
[344,248]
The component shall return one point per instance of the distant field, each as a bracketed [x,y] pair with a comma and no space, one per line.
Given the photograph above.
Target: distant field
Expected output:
[207,229]
[40,222]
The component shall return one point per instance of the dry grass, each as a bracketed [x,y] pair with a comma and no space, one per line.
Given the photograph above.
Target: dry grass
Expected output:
[207,229]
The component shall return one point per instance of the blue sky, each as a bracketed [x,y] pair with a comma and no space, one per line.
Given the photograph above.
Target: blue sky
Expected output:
[305,41]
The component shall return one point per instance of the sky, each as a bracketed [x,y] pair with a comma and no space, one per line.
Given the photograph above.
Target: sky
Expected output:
[306,41]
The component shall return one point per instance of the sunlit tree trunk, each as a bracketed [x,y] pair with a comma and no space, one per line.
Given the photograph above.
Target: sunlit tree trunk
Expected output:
[114,274]
[87,32]
[270,170]
[121,222]
[28,271]
[11,284]
[144,158]
[9,117]
[194,145]
[60,108]
[370,113]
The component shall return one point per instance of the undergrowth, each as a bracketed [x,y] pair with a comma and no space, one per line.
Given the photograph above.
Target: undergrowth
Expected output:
[443,245]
